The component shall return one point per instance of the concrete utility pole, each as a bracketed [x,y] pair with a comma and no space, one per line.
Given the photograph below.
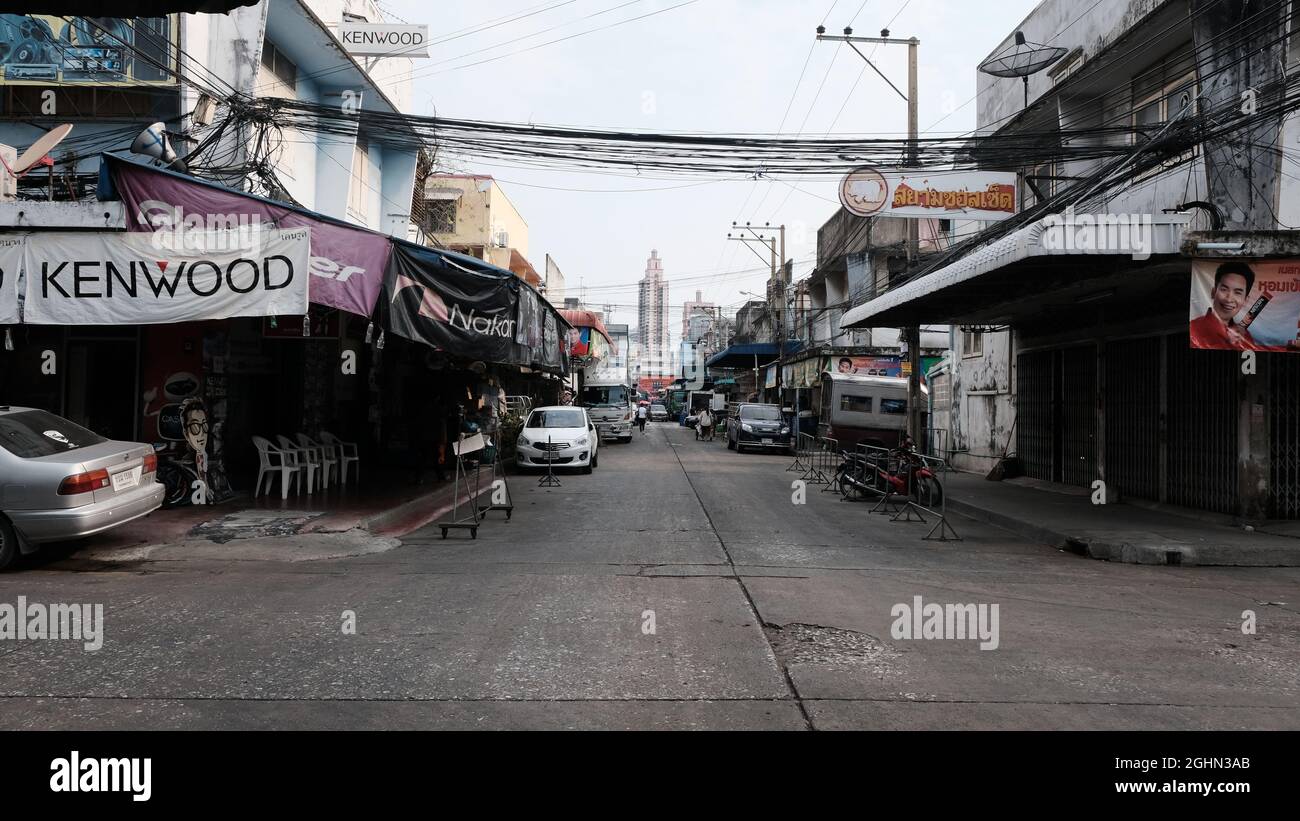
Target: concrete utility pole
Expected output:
[777,278]
[911,334]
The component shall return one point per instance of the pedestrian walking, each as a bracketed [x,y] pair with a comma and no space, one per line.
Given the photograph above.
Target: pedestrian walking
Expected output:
[704,427]
[642,413]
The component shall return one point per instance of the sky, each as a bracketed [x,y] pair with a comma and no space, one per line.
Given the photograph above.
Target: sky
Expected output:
[735,66]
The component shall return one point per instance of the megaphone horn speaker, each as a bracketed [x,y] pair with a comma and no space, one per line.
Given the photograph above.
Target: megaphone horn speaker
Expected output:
[153,142]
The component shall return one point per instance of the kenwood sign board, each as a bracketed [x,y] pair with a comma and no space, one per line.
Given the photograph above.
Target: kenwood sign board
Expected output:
[11,260]
[384,39]
[137,279]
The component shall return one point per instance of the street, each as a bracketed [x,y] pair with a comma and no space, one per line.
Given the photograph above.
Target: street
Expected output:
[679,586]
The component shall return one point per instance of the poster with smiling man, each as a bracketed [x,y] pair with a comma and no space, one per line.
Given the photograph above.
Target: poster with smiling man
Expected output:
[1245,305]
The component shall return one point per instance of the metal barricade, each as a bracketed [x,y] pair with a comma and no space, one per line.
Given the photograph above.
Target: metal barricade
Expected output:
[803,448]
[816,459]
[831,456]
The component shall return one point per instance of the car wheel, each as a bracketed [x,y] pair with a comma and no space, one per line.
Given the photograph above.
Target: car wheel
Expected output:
[8,543]
[595,460]
[586,469]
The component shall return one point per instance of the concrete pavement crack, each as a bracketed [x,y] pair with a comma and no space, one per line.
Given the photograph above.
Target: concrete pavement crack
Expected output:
[744,589]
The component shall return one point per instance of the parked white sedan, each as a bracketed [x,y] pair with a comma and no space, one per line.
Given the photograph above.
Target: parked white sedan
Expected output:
[561,435]
[59,481]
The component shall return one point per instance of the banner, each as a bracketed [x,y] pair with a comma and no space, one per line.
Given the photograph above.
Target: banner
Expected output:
[866,365]
[450,301]
[347,264]
[1245,305]
[79,278]
[981,195]
[552,351]
[11,262]
[529,330]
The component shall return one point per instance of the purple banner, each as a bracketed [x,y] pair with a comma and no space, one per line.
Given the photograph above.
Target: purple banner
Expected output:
[347,264]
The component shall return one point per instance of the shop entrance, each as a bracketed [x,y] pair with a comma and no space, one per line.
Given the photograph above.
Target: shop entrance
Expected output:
[100,385]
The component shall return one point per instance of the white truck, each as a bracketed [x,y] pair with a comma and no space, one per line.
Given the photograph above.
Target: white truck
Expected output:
[609,401]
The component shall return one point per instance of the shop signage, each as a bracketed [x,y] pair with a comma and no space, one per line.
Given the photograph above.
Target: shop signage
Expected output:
[922,194]
[1245,305]
[347,263]
[454,303]
[11,260]
[384,39]
[77,278]
[866,365]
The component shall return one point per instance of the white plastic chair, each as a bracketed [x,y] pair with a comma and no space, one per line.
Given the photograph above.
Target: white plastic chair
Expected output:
[326,454]
[347,454]
[308,460]
[273,460]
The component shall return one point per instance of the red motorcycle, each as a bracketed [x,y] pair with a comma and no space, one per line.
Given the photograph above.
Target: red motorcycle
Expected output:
[905,473]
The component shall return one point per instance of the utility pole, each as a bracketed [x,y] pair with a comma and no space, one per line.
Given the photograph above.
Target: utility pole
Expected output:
[776,280]
[911,334]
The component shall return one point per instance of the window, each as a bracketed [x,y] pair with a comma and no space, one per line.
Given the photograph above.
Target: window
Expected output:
[280,66]
[34,433]
[359,187]
[440,216]
[857,404]
[895,407]
[972,344]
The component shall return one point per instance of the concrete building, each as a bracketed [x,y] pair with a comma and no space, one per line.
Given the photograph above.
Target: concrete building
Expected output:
[470,213]
[692,311]
[652,321]
[1077,360]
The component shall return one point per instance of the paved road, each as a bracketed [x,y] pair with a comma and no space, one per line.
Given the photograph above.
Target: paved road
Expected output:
[766,614]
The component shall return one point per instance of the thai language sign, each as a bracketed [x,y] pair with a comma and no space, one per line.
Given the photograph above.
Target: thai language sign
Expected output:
[982,195]
[1245,305]
[134,279]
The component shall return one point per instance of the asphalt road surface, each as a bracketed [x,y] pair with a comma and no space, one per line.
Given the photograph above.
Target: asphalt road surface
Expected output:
[680,586]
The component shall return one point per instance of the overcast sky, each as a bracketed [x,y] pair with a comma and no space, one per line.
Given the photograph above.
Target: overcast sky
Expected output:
[710,65]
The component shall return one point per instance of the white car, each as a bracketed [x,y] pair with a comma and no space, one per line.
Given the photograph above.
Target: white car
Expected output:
[562,435]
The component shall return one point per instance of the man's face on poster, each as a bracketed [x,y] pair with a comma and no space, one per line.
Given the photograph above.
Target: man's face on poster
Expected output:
[846,366]
[196,430]
[1229,296]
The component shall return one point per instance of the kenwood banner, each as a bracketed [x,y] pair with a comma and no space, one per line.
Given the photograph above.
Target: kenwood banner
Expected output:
[76,278]
[347,264]
[11,261]
[1245,305]
[453,302]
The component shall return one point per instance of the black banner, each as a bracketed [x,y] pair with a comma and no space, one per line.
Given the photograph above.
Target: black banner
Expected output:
[453,302]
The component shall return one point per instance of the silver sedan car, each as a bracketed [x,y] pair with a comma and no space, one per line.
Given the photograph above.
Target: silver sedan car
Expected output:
[59,481]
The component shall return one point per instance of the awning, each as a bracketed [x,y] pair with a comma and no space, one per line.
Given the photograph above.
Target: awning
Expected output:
[749,355]
[1014,276]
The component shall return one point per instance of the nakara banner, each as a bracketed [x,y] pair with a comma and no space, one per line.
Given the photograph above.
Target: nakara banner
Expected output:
[1245,305]
[11,261]
[347,264]
[922,193]
[77,278]
[453,302]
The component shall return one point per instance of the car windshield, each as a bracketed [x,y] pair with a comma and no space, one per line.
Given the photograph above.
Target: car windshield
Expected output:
[562,418]
[658,408]
[761,413]
[606,395]
[33,433]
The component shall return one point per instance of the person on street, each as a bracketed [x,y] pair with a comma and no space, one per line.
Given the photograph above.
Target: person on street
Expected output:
[642,413]
[704,427]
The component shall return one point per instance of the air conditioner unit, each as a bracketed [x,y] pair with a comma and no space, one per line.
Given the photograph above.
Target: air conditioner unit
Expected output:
[503,239]
[8,182]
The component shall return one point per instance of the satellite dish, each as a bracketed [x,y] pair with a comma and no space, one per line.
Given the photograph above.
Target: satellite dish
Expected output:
[153,142]
[1021,59]
[40,148]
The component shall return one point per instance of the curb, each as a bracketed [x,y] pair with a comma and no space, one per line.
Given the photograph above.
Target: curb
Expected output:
[1164,553]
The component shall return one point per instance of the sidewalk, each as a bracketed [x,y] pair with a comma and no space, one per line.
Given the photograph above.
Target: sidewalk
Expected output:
[1067,519]
[325,524]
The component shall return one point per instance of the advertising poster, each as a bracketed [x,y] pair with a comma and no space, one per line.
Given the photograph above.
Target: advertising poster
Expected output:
[1245,305]
[49,49]
[85,278]
[866,365]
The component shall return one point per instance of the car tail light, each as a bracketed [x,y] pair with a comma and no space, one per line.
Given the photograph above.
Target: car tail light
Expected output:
[83,482]
[150,462]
